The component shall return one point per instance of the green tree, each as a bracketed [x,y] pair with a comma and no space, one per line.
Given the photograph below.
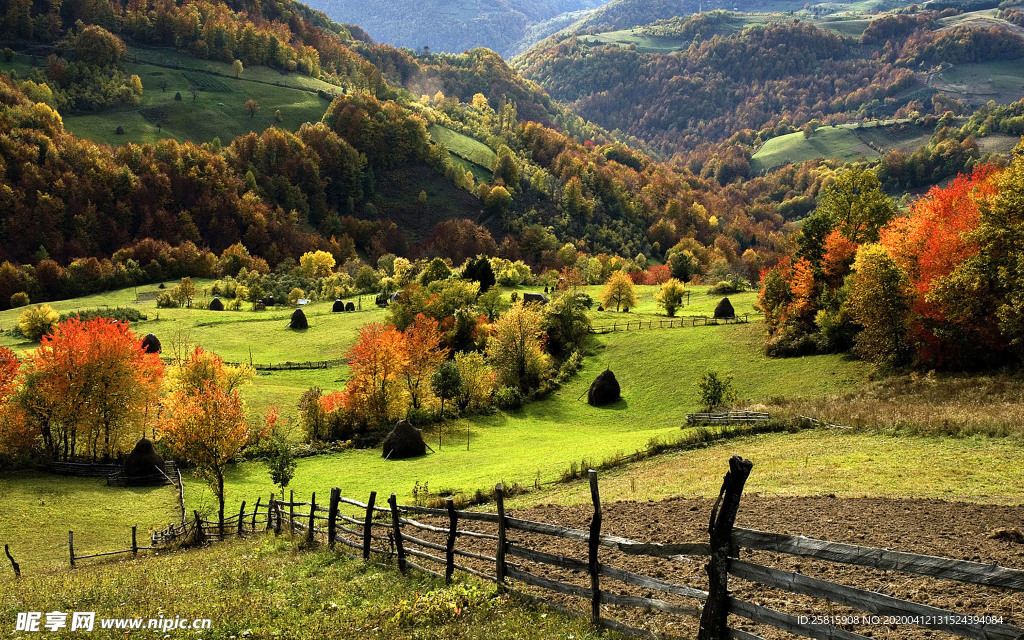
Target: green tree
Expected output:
[438,269]
[515,348]
[716,391]
[280,461]
[236,68]
[566,322]
[670,296]
[619,291]
[856,203]
[880,300]
[38,321]
[446,383]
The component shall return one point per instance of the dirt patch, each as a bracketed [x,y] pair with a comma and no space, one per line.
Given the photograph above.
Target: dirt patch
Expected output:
[978,533]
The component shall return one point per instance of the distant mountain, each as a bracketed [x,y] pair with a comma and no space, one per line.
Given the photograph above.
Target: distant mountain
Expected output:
[451,27]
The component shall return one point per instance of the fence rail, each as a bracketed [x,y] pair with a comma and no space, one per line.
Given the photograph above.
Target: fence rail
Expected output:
[506,550]
[727,417]
[670,323]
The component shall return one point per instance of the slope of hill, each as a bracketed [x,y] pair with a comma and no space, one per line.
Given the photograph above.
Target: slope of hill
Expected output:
[766,78]
[447,26]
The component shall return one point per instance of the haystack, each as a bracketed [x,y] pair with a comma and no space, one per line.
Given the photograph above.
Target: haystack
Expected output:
[350,306]
[404,441]
[604,389]
[216,304]
[298,320]
[151,344]
[144,464]
[724,309]
[338,306]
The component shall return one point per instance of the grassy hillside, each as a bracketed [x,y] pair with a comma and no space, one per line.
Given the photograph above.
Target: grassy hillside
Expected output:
[218,110]
[266,588]
[464,147]
[827,142]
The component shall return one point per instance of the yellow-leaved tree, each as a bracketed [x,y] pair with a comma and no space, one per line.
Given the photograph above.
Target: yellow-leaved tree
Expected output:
[618,291]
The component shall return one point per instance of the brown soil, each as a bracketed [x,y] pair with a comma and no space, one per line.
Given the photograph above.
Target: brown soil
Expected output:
[979,533]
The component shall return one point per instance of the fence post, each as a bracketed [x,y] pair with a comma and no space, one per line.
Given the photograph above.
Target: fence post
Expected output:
[449,558]
[499,554]
[723,516]
[312,521]
[71,547]
[270,512]
[200,534]
[396,527]
[278,515]
[135,545]
[332,516]
[241,518]
[255,510]
[14,565]
[593,564]
[368,525]
[181,494]
[291,511]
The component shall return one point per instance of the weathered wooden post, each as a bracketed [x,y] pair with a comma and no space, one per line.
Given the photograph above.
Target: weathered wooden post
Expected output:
[312,521]
[291,511]
[135,545]
[368,525]
[332,516]
[278,516]
[723,516]
[14,565]
[453,531]
[71,547]
[270,512]
[593,566]
[499,554]
[396,526]
[241,518]
[255,510]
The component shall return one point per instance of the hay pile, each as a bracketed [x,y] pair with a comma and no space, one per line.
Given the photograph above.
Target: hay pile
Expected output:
[298,320]
[604,389]
[724,309]
[338,306]
[151,344]
[216,304]
[404,441]
[144,463]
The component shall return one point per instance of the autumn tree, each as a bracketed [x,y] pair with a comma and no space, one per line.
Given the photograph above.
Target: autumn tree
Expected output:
[91,382]
[619,291]
[425,355]
[38,321]
[252,107]
[880,303]
[670,296]
[316,264]
[376,362]
[856,204]
[236,68]
[515,348]
[566,323]
[17,435]
[478,380]
[207,427]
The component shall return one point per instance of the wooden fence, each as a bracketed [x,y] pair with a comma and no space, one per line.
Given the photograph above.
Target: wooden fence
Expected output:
[134,549]
[727,417]
[669,323]
[507,550]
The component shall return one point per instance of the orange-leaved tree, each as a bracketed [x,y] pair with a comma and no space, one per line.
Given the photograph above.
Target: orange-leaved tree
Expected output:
[204,420]
[16,434]
[423,346]
[928,244]
[377,361]
[90,380]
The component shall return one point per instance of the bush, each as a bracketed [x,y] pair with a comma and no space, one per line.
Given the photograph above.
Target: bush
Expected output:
[727,286]
[791,342]
[120,314]
[716,391]
[38,321]
[508,399]
[166,301]
[19,299]
[571,365]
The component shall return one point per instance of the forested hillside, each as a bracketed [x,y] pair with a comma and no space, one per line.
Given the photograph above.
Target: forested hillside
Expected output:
[767,79]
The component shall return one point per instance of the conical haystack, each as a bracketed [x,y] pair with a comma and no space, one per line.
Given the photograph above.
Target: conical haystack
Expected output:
[151,344]
[216,305]
[404,441]
[604,389]
[724,309]
[144,463]
[338,306]
[298,320]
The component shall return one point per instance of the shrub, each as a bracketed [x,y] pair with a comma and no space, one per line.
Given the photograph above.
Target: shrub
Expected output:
[166,301]
[790,342]
[716,391]
[508,399]
[727,286]
[19,299]
[571,365]
[120,130]
[38,321]
[120,314]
